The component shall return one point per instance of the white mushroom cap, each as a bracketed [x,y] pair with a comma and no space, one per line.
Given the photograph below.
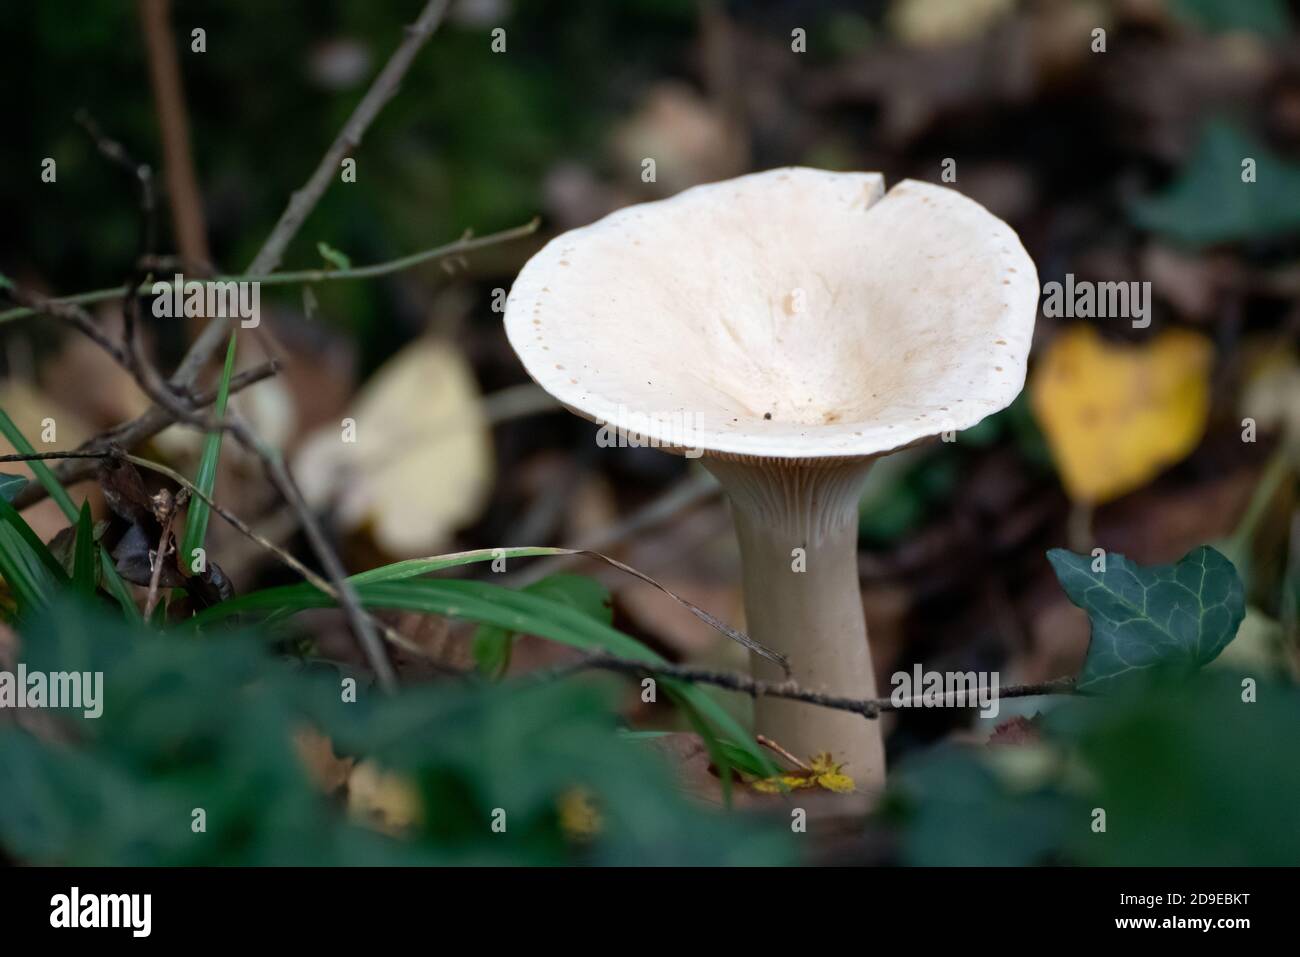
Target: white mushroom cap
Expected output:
[790,314]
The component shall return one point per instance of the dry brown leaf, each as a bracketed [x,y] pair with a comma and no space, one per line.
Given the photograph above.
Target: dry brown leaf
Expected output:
[688,139]
[316,751]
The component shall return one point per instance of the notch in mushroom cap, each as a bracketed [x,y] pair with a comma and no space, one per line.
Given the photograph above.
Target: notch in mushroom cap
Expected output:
[791,326]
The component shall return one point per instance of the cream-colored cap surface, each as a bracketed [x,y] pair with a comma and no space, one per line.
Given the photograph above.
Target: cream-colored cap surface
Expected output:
[795,313]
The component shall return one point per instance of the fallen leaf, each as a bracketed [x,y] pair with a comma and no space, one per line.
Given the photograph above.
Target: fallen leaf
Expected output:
[382,799]
[1116,415]
[943,22]
[822,772]
[1272,396]
[689,140]
[420,463]
[316,752]
[579,818]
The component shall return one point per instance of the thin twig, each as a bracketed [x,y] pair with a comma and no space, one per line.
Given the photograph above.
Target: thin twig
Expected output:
[164,546]
[790,690]
[466,244]
[773,746]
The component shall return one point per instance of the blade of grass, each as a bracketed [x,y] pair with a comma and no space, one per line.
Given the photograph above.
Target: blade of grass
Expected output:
[196,518]
[83,554]
[50,481]
[23,572]
[30,568]
[10,517]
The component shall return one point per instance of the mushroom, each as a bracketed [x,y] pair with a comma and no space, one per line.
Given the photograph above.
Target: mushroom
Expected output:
[791,326]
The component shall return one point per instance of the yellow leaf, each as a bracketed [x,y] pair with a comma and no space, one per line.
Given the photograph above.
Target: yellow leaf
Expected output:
[1116,415]
[834,781]
[386,801]
[792,781]
[413,459]
[823,773]
[579,818]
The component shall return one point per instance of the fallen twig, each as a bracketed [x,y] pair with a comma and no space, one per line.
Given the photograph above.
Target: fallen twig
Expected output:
[164,547]
[867,707]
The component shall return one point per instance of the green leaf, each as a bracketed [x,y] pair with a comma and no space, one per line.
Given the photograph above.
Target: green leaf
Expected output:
[196,516]
[332,256]
[83,555]
[11,485]
[1208,203]
[1179,615]
[578,591]
[491,649]
[492,645]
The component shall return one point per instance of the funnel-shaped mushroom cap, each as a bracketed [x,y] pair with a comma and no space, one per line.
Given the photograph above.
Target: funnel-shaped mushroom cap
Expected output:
[795,313]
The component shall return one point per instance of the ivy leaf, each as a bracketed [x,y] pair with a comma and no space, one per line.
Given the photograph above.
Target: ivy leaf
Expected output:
[1179,615]
[1208,203]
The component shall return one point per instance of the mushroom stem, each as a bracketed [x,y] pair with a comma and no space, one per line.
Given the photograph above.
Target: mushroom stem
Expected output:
[797,524]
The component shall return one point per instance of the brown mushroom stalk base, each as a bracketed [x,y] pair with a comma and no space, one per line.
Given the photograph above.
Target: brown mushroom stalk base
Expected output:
[797,524]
